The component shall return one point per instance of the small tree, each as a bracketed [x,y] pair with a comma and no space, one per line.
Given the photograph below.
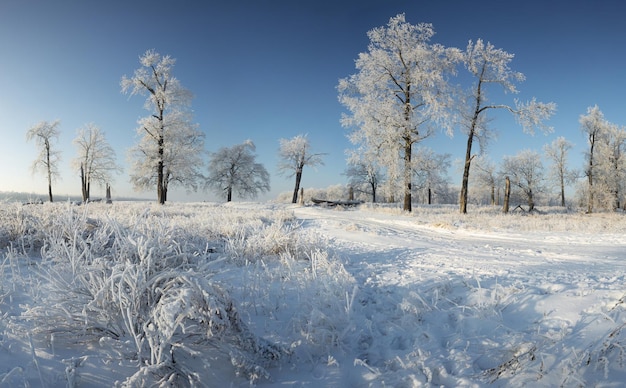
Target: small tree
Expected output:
[235,169]
[430,171]
[171,146]
[364,177]
[526,172]
[557,152]
[487,177]
[489,65]
[44,133]
[294,154]
[96,158]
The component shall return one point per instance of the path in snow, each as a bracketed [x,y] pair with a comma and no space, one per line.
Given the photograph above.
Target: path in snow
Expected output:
[455,307]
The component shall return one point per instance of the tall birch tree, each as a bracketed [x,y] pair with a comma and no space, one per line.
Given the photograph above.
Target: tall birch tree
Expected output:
[44,134]
[170,145]
[398,95]
[490,66]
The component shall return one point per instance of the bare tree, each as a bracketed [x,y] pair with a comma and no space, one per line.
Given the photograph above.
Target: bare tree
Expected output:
[44,133]
[235,169]
[557,152]
[170,147]
[96,158]
[527,174]
[489,65]
[296,153]
[399,94]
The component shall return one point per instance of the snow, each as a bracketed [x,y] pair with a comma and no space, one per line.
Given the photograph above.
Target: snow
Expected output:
[278,295]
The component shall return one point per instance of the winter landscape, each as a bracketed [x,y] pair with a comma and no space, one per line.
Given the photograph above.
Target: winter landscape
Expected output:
[269,295]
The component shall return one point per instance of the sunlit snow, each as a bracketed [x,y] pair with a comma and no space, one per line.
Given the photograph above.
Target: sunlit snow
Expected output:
[273,295]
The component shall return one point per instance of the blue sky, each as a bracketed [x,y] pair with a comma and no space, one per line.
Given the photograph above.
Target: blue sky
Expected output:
[265,70]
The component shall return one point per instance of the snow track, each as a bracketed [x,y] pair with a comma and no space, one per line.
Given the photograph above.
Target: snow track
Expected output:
[452,307]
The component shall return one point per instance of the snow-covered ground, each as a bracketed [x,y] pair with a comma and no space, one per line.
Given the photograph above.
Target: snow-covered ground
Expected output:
[281,295]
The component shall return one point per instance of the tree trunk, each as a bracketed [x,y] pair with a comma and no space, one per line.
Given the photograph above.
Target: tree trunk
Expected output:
[49,170]
[108,194]
[590,175]
[83,185]
[465,181]
[229,194]
[493,195]
[351,194]
[562,191]
[373,185]
[470,141]
[161,188]
[408,171]
[295,190]
[507,194]
[531,201]
[430,196]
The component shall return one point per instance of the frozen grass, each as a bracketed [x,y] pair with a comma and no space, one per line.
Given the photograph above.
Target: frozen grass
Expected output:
[136,294]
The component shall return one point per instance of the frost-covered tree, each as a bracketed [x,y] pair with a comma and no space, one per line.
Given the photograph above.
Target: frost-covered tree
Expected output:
[96,158]
[44,134]
[235,169]
[487,177]
[430,171]
[182,157]
[171,147]
[526,173]
[594,126]
[398,95]
[557,153]
[364,176]
[295,153]
[488,65]
[610,166]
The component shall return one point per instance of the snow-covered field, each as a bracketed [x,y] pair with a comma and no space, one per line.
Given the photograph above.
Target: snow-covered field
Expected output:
[136,294]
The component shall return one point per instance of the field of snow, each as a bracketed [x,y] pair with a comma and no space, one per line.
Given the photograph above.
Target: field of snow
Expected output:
[273,295]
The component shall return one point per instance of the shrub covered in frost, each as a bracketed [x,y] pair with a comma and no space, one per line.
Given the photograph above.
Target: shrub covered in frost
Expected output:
[140,285]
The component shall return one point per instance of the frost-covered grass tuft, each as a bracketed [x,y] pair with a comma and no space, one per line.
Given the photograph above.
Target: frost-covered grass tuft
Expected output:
[137,281]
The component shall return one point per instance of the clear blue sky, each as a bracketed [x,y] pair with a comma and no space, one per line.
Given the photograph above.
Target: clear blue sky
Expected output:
[265,70]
